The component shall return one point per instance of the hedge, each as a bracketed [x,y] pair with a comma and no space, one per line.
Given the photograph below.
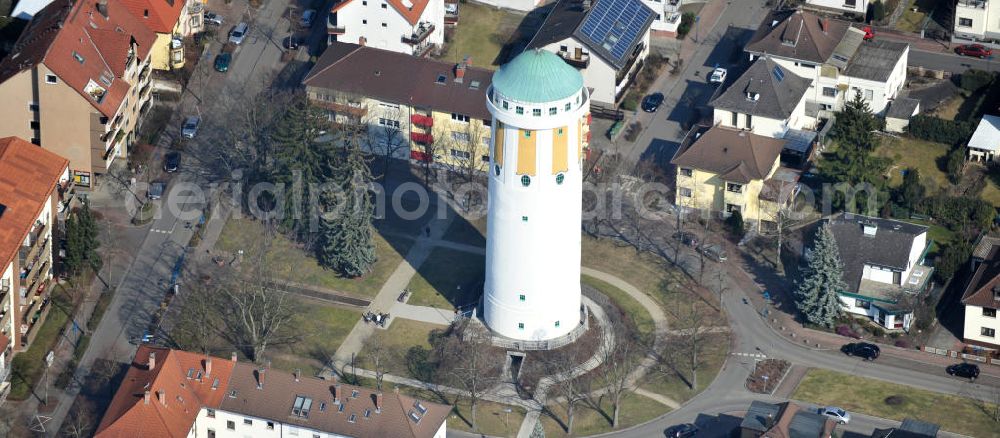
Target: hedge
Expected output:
[940,130]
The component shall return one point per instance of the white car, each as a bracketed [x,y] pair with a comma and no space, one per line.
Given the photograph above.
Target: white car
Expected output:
[239,33]
[836,414]
[718,76]
[190,127]
[307,18]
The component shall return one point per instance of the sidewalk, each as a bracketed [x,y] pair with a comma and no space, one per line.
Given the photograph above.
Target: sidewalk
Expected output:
[914,40]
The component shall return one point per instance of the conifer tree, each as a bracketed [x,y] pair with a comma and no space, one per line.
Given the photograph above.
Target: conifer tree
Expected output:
[346,241]
[816,294]
[81,241]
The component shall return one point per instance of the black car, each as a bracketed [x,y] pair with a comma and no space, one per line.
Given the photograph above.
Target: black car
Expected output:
[687,238]
[292,42]
[863,350]
[967,370]
[172,161]
[686,430]
[652,102]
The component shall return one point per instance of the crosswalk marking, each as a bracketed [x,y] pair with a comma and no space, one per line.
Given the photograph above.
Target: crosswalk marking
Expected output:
[753,355]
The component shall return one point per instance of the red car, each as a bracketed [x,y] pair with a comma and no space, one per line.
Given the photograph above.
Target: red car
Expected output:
[977,50]
[869,33]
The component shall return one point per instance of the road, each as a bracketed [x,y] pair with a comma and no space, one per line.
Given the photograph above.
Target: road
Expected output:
[950,61]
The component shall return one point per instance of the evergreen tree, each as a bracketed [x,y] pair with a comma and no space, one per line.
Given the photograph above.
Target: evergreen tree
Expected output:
[911,192]
[735,224]
[816,294]
[81,241]
[853,160]
[346,238]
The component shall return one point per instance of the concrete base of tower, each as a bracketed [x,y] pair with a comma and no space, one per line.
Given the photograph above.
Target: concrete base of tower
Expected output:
[569,337]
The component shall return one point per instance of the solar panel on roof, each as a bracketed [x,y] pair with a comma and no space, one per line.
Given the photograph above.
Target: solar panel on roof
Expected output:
[778,73]
[615,24]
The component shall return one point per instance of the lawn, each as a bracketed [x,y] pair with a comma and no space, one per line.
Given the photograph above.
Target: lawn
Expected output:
[26,367]
[643,322]
[950,109]
[490,416]
[401,335]
[481,33]
[291,262]
[323,328]
[913,21]
[448,278]
[918,154]
[853,393]
[672,386]
[635,409]
[643,271]
[469,233]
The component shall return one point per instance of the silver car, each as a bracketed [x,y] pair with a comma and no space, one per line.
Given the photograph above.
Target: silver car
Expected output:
[714,252]
[239,33]
[836,414]
[190,127]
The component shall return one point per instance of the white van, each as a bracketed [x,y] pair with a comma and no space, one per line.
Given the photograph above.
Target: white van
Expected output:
[239,33]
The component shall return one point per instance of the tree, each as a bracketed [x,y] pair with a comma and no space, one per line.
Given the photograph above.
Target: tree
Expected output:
[620,359]
[878,10]
[377,355]
[82,242]
[468,149]
[823,279]
[911,192]
[956,164]
[735,224]
[387,135]
[469,362]
[951,259]
[346,242]
[853,160]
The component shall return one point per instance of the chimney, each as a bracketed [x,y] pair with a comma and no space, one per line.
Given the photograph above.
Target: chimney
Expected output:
[296,374]
[336,393]
[161,395]
[460,72]
[362,41]
[825,25]
[233,357]
[586,4]
[378,402]
[145,397]
[208,366]
[102,8]
[260,378]
[151,364]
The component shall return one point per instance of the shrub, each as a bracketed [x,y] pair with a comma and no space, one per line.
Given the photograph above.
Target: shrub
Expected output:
[846,331]
[940,130]
[687,20]
[895,400]
[735,224]
[973,80]
[878,10]
[630,102]
[878,332]
[903,343]
[633,131]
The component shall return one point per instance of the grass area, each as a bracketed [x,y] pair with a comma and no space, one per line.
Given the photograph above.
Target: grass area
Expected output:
[950,109]
[291,262]
[323,328]
[952,413]
[490,416]
[448,278]
[913,21]
[27,366]
[401,335]
[672,386]
[635,409]
[918,154]
[392,223]
[644,271]
[469,233]
[643,321]
[481,33]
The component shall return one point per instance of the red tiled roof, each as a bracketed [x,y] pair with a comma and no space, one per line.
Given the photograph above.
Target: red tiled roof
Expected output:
[28,175]
[61,34]
[130,416]
[979,290]
[159,15]
[411,13]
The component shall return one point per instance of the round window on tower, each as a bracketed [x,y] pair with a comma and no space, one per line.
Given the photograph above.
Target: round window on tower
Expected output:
[559,178]
[525,180]
[496,169]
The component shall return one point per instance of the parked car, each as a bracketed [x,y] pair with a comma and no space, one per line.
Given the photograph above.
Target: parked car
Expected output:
[714,252]
[222,61]
[190,127]
[975,50]
[156,190]
[869,33]
[687,238]
[306,20]
[836,414]
[967,370]
[718,75]
[172,162]
[213,18]
[652,102]
[239,33]
[863,350]
[292,42]
[686,430]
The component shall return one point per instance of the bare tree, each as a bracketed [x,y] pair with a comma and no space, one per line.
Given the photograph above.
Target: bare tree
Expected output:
[470,363]
[683,351]
[620,360]
[562,365]
[377,355]
[79,424]
[387,134]
[468,149]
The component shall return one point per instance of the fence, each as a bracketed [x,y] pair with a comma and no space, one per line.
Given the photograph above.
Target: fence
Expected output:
[957,354]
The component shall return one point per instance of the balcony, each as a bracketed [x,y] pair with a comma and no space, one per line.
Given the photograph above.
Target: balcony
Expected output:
[977,4]
[422,120]
[578,60]
[348,109]
[196,7]
[422,49]
[421,33]
[422,138]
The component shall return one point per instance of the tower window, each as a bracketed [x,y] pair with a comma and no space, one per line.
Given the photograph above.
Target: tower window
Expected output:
[505,104]
[560,178]
[496,169]
[519,110]
[525,180]
[557,324]
[521,297]
[524,218]
[520,326]
[552,111]
[537,112]
[568,106]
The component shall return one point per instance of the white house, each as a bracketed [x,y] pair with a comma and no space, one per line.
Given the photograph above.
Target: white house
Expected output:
[985,141]
[767,99]
[982,295]
[976,20]
[859,7]
[414,27]
[607,40]
[835,57]
[883,267]
[668,16]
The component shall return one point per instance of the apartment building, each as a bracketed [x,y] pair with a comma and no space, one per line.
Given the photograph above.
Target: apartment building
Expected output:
[726,170]
[977,20]
[171,20]
[834,57]
[607,40]
[982,295]
[181,394]
[32,183]
[409,105]
[413,27]
[77,81]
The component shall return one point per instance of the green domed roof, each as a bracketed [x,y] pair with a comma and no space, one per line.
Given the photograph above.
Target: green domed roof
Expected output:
[537,76]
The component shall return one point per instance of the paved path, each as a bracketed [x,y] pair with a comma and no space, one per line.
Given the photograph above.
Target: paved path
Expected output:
[432,315]
[659,398]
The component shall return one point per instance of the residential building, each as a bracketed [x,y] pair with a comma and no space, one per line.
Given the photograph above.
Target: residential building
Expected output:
[32,182]
[856,7]
[985,141]
[25,9]
[173,393]
[668,16]
[901,110]
[784,420]
[77,82]
[410,105]
[884,272]
[767,99]
[171,20]
[607,40]
[725,170]
[834,57]
[976,20]
[982,295]
[910,428]
[413,27]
